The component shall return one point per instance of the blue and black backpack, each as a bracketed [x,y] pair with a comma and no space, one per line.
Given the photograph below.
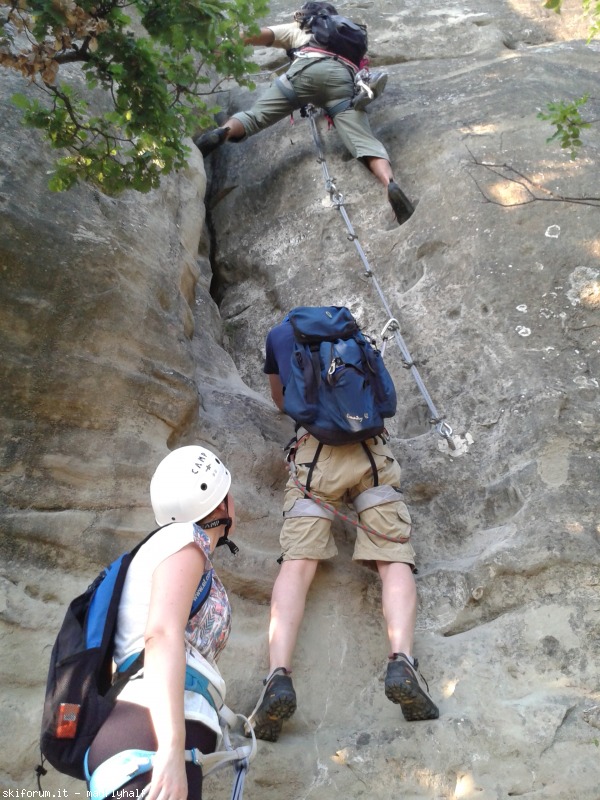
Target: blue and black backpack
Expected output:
[81,690]
[339,389]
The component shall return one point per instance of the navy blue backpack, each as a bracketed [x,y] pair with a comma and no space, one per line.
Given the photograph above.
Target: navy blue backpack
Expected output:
[80,691]
[339,388]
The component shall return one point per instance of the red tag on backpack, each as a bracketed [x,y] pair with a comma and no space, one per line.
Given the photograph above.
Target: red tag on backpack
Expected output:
[67,718]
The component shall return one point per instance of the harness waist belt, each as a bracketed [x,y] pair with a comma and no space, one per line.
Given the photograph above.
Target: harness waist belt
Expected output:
[197,682]
[127,663]
[308,51]
[194,682]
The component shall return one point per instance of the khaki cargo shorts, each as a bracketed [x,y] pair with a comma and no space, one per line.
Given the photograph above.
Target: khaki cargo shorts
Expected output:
[339,476]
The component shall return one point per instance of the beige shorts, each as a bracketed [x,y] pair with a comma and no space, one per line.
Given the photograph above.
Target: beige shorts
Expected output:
[340,475]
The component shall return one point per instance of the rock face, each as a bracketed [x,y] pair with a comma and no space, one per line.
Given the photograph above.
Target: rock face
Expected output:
[127,331]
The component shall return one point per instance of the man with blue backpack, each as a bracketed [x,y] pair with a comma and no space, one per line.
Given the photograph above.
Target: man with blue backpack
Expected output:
[327,52]
[329,378]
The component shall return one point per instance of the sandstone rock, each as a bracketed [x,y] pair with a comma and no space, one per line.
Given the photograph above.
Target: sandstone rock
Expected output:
[115,349]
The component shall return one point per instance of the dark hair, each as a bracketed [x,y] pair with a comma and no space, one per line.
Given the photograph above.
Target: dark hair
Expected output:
[315,7]
[310,10]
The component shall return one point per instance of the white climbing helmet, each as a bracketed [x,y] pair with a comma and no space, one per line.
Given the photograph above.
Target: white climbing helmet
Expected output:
[188,484]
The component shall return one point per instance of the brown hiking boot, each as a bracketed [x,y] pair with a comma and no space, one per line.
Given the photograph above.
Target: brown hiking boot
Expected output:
[276,703]
[404,684]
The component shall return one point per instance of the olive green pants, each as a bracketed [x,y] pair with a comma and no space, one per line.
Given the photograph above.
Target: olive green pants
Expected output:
[324,82]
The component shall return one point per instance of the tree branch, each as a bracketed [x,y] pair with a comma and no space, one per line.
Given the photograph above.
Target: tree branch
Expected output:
[510,174]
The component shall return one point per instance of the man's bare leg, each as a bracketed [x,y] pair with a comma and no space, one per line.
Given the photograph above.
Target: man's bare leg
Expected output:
[382,170]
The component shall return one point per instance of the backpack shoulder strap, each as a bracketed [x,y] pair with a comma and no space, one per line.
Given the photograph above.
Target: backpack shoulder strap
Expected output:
[202,592]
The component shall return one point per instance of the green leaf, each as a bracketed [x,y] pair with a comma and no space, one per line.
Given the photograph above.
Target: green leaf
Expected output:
[152,82]
[21,101]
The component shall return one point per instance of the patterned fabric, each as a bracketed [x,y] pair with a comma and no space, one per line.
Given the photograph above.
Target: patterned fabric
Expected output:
[208,631]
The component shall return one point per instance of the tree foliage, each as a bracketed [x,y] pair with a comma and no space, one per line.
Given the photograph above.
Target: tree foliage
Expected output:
[591,8]
[565,116]
[157,63]
[568,123]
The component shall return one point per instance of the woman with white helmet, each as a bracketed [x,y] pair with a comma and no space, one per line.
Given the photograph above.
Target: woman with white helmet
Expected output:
[190,498]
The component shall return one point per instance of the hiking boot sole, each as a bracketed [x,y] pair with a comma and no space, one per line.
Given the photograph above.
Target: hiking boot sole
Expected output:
[269,722]
[269,731]
[415,704]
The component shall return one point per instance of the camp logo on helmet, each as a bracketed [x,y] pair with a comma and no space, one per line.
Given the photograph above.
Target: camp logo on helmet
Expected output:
[200,462]
[201,465]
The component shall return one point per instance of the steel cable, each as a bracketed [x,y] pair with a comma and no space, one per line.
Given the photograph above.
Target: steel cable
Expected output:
[437,419]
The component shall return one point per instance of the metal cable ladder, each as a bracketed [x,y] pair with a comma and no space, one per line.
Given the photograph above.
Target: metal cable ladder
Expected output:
[392,326]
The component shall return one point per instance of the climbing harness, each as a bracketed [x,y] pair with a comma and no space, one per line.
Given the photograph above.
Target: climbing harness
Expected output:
[377,495]
[118,770]
[110,776]
[392,326]
[286,88]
